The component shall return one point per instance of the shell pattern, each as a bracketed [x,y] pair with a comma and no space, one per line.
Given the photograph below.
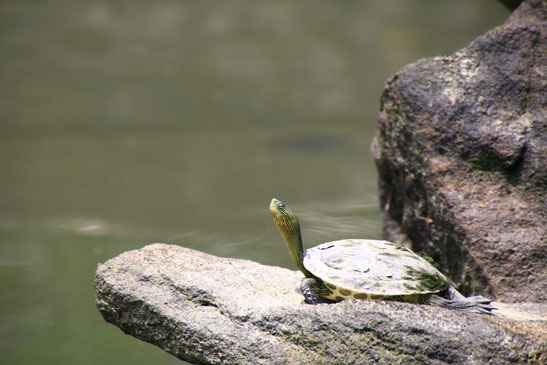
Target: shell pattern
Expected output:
[373,267]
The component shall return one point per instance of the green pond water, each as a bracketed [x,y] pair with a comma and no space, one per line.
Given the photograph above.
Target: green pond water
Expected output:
[130,122]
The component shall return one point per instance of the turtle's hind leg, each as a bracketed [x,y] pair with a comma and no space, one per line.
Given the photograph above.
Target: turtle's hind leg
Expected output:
[311,287]
[452,299]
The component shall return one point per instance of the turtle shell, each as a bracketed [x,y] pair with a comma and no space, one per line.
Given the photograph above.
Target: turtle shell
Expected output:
[373,267]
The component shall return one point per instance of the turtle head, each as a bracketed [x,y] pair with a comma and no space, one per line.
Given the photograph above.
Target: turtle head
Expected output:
[287,224]
[283,216]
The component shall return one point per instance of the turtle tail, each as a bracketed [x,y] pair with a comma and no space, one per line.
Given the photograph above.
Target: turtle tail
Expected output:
[452,299]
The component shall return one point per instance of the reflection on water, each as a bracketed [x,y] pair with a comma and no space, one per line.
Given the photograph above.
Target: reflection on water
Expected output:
[126,123]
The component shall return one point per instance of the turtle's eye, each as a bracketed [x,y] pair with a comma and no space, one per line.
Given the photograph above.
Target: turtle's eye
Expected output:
[280,206]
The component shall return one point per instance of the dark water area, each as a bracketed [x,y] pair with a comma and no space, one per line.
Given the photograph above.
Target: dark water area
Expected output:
[131,122]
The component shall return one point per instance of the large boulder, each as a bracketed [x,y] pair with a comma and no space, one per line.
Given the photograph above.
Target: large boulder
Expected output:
[461,150]
[211,310]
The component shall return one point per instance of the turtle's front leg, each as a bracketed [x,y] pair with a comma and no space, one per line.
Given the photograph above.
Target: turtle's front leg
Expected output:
[310,288]
[309,295]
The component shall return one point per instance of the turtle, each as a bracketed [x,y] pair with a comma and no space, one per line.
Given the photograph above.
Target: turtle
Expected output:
[368,269]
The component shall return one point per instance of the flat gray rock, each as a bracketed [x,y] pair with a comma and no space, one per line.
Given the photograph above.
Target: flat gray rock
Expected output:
[210,310]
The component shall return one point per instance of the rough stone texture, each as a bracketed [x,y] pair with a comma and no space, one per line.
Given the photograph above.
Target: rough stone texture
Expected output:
[211,310]
[461,151]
